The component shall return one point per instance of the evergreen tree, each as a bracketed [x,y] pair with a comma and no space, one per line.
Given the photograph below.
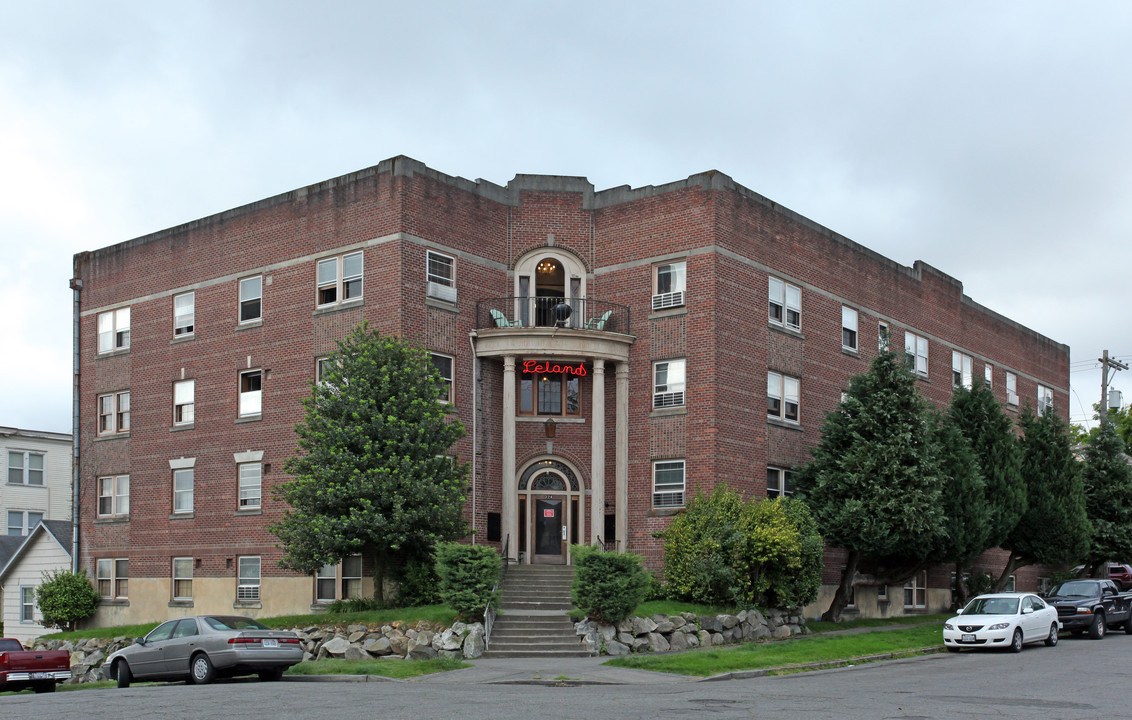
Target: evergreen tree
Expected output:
[372,475]
[1108,497]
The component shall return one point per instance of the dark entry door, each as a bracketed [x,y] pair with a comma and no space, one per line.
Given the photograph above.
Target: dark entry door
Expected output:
[548,531]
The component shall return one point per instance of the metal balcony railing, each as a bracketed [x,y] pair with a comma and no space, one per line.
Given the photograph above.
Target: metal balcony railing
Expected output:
[570,313]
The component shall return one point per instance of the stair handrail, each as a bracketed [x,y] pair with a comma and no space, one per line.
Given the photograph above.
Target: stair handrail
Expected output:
[490,611]
[600,543]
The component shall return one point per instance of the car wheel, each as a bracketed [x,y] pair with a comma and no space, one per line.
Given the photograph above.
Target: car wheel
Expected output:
[123,673]
[1016,643]
[1051,639]
[272,675]
[201,670]
[45,687]
[1098,629]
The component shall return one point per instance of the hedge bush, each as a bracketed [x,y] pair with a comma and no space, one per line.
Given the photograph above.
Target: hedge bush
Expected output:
[65,597]
[607,586]
[467,574]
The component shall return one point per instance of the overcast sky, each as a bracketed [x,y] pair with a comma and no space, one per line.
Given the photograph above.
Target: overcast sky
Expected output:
[993,140]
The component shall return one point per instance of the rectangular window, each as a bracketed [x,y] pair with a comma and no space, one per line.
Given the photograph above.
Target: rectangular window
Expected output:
[352,577]
[251,299]
[251,393]
[22,522]
[916,591]
[25,468]
[327,587]
[782,397]
[183,490]
[668,484]
[183,396]
[988,375]
[247,586]
[326,583]
[779,482]
[113,578]
[1045,399]
[961,374]
[440,276]
[184,314]
[882,592]
[668,383]
[443,365]
[114,330]
[549,394]
[916,353]
[114,413]
[668,285]
[183,578]
[251,484]
[321,368]
[27,604]
[1011,389]
[339,279]
[785,304]
[848,328]
[882,336]
[1009,584]
[114,496]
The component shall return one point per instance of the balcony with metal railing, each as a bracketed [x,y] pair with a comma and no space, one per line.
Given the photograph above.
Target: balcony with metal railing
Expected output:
[553,326]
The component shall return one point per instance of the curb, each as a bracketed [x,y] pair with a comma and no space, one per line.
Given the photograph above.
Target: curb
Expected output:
[830,665]
[341,678]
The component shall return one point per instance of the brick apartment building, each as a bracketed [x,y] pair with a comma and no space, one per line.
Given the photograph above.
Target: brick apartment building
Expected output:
[607,352]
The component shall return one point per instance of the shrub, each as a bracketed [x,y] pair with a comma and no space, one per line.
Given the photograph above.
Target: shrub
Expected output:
[353,605]
[65,597]
[418,582]
[699,545]
[467,575]
[607,586]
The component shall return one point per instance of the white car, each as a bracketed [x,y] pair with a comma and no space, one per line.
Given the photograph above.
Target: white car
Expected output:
[1004,620]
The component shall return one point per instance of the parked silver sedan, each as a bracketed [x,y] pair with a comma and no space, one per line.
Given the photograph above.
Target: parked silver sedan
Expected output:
[203,647]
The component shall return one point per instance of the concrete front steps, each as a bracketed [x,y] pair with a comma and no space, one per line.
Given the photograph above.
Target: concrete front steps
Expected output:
[532,621]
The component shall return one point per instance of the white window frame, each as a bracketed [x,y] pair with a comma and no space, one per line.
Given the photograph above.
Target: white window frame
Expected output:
[962,372]
[250,403]
[114,330]
[27,605]
[1011,389]
[669,292]
[184,402]
[988,375]
[669,383]
[113,496]
[449,394]
[249,478]
[785,304]
[849,324]
[1011,583]
[114,413]
[669,494]
[25,526]
[115,573]
[250,299]
[184,482]
[779,482]
[916,591]
[1045,399]
[884,336]
[916,353]
[182,575]
[184,314]
[249,577]
[338,280]
[344,580]
[24,473]
[440,276]
[787,391]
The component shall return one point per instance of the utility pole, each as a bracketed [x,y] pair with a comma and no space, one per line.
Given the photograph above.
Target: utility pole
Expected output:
[1105,361]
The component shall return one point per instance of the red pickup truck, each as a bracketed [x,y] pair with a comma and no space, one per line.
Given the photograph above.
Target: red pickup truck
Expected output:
[37,669]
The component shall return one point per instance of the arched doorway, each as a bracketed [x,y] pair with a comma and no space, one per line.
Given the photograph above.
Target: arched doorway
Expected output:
[551,511]
[550,285]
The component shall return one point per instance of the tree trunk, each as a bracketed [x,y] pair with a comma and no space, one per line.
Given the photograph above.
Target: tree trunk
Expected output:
[379,579]
[841,597]
[1012,564]
[959,598]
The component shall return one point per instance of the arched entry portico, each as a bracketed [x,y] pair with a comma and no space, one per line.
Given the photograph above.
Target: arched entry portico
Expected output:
[552,512]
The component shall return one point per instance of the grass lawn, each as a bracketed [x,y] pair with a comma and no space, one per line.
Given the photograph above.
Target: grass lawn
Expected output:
[797,651]
[386,668]
[816,627]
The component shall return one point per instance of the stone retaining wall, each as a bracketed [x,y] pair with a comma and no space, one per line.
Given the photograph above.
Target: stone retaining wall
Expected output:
[662,633]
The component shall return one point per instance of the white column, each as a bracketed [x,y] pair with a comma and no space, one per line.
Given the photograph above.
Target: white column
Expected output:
[621,472]
[597,454]
[509,488]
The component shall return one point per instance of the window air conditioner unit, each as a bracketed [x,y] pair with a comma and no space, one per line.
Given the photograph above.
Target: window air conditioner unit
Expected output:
[668,300]
[247,592]
[1012,398]
[668,399]
[442,292]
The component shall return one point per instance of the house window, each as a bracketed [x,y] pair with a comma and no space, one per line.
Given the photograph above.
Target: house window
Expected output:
[1009,584]
[916,353]
[25,468]
[782,394]
[22,522]
[668,383]
[668,285]
[785,304]
[339,279]
[251,393]
[443,365]
[27,604]
[113,578]
[183,490]
[1011,389]
[251,484]
[183,392]
[549,394]
[961,370]
[339,582]
[882,592]
[883,336]
[114,496]
[114,413]
[916,591]
[183,578]
[988,375]
[1045,399]
[779,482]
[848,328]
[247,586]
[852,600]
[321,369]
[668,484]
[440,276]
[251,299]
[184,314]
[114,330]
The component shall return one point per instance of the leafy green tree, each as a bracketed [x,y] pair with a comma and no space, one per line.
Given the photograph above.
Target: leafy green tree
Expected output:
[64,598]
[1121,419]
[371,475]
[1055,528]
[875,485]
[1108,497]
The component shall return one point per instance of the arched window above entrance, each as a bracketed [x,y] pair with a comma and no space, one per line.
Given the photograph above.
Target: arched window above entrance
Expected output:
[559,470]
[548,481]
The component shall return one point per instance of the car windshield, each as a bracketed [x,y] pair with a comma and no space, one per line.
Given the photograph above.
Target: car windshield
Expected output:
[1075,588]
[992,606]
[234,623]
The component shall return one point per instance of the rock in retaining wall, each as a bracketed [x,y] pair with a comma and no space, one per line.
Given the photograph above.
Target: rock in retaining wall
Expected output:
[663,633]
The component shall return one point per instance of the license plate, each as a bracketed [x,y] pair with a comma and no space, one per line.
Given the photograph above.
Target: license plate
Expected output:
[968,638]
[40,675]
[270,643]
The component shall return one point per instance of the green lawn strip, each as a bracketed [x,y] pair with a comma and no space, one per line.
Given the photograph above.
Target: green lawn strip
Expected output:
[817,627]
[386,668]
[798,651]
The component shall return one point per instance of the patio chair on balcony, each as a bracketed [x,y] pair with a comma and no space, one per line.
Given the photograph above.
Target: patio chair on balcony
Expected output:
[502,321]
[599,323]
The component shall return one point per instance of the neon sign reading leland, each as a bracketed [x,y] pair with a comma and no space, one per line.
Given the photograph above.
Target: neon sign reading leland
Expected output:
[534,366]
